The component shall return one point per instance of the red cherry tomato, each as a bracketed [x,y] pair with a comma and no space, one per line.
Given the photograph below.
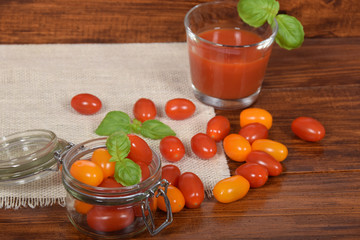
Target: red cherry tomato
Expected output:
[179,108]
[308,129]
[254,131]
[145,172]
[256,174]
[86,104]
[236,147]
[110,218]
[139,150]
[87,172]
[231,189]
[218,128]
[203,146]
[171,173]
[144,109]
[101,157]
[262,158]
[259,115]
[277,150]
[172,149]
[110,182]
[192,188]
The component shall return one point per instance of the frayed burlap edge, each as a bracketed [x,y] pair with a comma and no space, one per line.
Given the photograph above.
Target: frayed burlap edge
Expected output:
[20,202]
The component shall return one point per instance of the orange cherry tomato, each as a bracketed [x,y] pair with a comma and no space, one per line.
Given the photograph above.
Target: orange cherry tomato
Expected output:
[179,108]
[218,128]
[176,198]
[236,147]
[139,150]
[87,172]
[82,207]
[144,109]
[277,150]
[192,188]
[231,189]
[252,115]
[101,157]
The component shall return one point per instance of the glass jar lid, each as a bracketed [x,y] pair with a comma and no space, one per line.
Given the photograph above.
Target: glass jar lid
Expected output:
[29,155]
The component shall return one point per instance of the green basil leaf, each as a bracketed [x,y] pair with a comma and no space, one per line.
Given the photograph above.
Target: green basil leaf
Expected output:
[155,129]
[290,33]
[257,12]
[127,172]
[118,145]
[114,121]
[136,126]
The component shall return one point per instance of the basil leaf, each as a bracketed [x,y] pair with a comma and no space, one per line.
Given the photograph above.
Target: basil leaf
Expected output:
[114,121]
[155,129]
[290,33]
[127,172]
[118,145]
[257,12]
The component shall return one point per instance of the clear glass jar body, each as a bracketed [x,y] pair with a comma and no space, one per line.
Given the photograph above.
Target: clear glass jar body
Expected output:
[110,213]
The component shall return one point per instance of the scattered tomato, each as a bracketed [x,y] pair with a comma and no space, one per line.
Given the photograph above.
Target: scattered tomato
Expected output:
[101,157]
[139,150]
[172,149]
[256,174]
[87,172]
[277,150]
[179,108]
[110,218]
[308,129]
[259,115]
[274,167]
[218,128]
[171,173]
[144,109]
[86,103]
[176,198]
[231,189]
[254,131]
[203,146]
[192,188]
[82,207]
[236,147]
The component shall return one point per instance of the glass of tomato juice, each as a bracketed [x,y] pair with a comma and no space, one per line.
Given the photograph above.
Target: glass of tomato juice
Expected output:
[228,58]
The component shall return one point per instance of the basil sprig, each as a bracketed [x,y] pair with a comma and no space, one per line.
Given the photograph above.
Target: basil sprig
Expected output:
[256,12]
[119,121]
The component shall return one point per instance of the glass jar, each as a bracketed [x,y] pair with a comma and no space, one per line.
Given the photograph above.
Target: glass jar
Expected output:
[110,213]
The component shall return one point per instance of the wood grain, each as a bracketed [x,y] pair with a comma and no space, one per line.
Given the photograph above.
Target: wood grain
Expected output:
[120,21]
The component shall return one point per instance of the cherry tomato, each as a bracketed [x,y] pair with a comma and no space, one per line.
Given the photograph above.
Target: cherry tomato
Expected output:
[86,104]
[144,109]
[192,188]
[139,150]
[254,131]
[172,149]
[152,204]
[82,207]
[236,147]
[203,146]
[171,173]
[218,128]
[87,172]
[179,108]
[145,172]
[308,129]
[274,167]
[259,115]
[231,189]
[256,174]
[176,198]
[101,157]
[110,218]
[110,182]
[277,150]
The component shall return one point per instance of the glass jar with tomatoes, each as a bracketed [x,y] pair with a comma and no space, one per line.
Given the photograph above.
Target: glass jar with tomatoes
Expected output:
[110,211]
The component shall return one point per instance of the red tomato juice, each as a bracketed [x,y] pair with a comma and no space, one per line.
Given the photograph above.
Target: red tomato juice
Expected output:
[227,72]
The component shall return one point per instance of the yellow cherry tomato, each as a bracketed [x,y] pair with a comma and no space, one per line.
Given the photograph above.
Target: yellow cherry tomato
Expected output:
[82,207]
[253,115]
[236,147]
[231,189]
[87,172]
[101,157]
[277,150]
[176,198]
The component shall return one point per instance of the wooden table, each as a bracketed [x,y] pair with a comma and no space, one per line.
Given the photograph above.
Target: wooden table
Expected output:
[318,194]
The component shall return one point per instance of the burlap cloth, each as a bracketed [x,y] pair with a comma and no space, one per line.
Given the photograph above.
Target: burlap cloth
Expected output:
[38,82]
